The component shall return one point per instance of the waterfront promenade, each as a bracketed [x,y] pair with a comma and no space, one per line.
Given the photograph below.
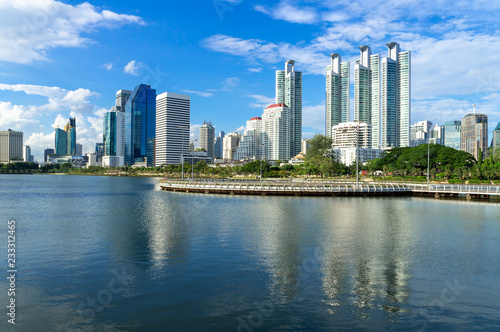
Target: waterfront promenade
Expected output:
[331,188]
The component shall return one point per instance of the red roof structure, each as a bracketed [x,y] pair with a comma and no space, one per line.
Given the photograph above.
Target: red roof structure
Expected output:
[256,118]
[276,105]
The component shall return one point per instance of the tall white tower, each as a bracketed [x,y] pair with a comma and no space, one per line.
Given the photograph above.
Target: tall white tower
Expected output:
[337,93]
[289,92]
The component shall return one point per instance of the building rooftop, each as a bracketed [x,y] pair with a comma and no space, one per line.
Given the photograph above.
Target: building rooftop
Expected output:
[276,105]
[255,118]
[498,126]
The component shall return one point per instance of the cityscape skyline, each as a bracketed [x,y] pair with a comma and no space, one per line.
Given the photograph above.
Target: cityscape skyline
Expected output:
[241,63]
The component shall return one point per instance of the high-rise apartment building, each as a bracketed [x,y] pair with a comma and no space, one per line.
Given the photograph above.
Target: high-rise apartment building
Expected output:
[474,135]
[289,92]
[396,98]
[452,132]
[367,91]
[207,138]
[230,143]
[249,146]
[351,134]
[337,93]
[173,113]
[140,125]
[276,133]
[11,146]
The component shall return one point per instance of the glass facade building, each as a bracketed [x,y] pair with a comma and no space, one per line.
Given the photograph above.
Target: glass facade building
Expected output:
[109,134]
[452,132]
[140,125]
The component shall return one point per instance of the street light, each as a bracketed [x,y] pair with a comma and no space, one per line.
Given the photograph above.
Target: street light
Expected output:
[261,145]
[182,149]
[192,164]
[428,160]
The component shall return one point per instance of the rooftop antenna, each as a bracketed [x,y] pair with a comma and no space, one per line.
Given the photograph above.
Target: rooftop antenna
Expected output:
[474,105]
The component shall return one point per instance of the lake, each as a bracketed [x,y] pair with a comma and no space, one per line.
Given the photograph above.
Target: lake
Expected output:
[118,254]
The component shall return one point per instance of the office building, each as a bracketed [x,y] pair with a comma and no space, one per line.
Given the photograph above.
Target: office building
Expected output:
[496,138]
[99,150]
[11,146]
[230,143]
[218,145]
[173,113]
[27,153]
[337,93]
[207,138]
[436,134]
[140,125]
[396,98]
[351,134]
[122,97]
[289,93]
[367,92]
[452,133]
[79,150]
[113,133]
[47,153]
[65,140]
[474,135]
[249,146]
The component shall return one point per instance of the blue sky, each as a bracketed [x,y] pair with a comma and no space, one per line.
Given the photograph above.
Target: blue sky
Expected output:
[62,58]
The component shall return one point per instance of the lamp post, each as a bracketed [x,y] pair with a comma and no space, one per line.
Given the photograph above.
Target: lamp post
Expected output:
[261,145]
[192,164]
[182,150]
[428,160]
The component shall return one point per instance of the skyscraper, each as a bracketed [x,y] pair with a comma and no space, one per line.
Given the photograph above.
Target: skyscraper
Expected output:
[452,132]
[113,133]
[122,97]
[249,147]
[289,92]
[276,134]
[337,93]
[496,138]
[231,142]
[26,153]
[218,145]
[65,140]
[79,150]
[207,138]
[11,146]
[70,129]
[396,97]
[173,113]
[47,153]
[61,143]
[367,92]
[474,135]
[140,125]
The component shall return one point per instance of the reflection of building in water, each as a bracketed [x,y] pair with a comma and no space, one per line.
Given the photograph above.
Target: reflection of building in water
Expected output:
[278,246]
[366,256]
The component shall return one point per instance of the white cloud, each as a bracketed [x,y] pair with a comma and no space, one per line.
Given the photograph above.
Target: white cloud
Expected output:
[133,68]
[194,134]
[26,117]
[261,101]
[29,28]
[108,66]
[255,70]
[240,129]
[290,13]
[230,83]
[200,93]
